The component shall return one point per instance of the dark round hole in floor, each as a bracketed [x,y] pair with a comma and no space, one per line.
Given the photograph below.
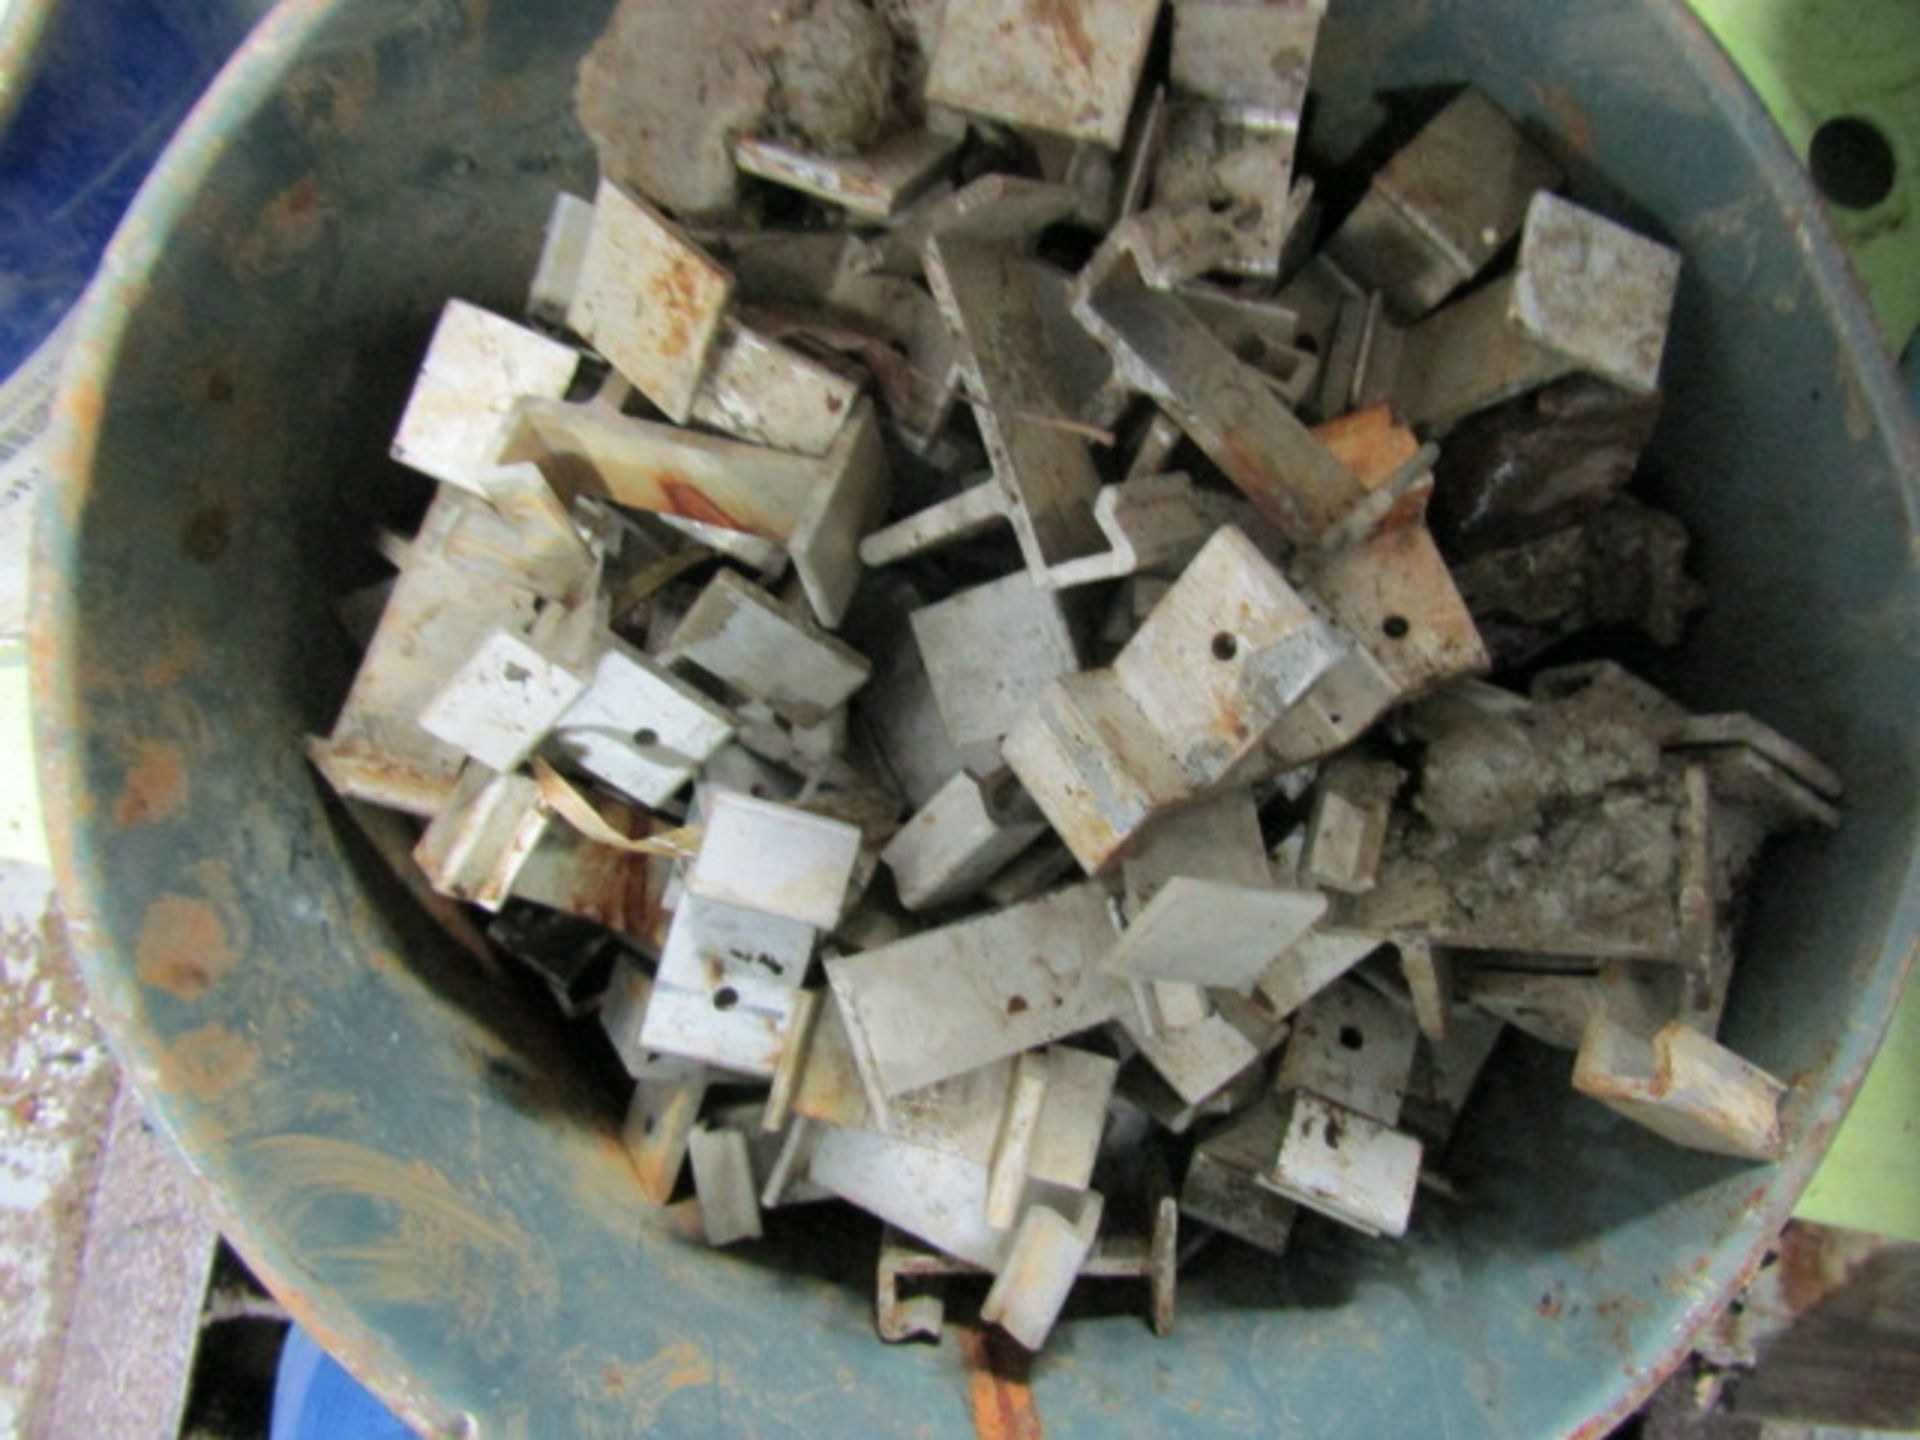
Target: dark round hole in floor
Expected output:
[1351,1038]
[1225,647]
[644,738]
[1852,162]
[725,998]
[1395,627]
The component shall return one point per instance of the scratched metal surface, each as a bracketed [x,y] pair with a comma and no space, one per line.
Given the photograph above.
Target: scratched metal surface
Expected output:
[428,1177]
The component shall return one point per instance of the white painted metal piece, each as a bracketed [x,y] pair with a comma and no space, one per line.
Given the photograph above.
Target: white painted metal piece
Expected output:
[440,612]
[1309,967]
[1250,61]
[623,1011]
[960,839]
[993,300]
[1443,207]
[1041,1265]
[764,557]
[1351,1046]
[1429,976]
[950,1000]
[1586,295]
[1154,523]
[1213,934]
[1594,292]
[897,711]
[972,512]
[659,1125]
[767,393]
[503,702]
[1172,1004]
[741,635]
[563,255]
[1348,827]
[1217,838]
[1683,1086]
[1392,592]
[990,652]
[1066,1139]
[1212,162]
[1445,1073]
[1221,1189]
[1005,209]
[1195,1060]
[873,184]
[638,729]
[818,510]
[649,299]
[1013,1142]
[1344,1165]
[1163,349]
[531,533]
[773,859]
[1072,73]
[477,365]
[477,844]
[1219,661]
[938,1198]
[726,990]
[723,1181]
[785,1170]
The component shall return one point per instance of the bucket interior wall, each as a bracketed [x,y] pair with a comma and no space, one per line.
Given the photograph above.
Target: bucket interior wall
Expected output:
[427,1169]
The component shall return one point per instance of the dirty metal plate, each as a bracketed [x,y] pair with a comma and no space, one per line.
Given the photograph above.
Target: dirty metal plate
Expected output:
[1443,207]
[1219,935]
[1346,1166]
[1310,966]
[739,634]
[1225,1197]
[1041,1265]
[950,1000]
[477,365]
[649,299]
[766,393]
[1394,594]
[1223,655]
[1226,409]
[773,859]
[639,729]
[847,502]
[1682,1086]
[440,612]
[1250,60]
[726,992]
[1595,293]
[476,845]
[1352,1046]
[938,1198]
[989,295]
[1065,66]
[1217,839]
[989,652]
[677,473]
[500,705]
[1196,1061]
[960,839]
[872,185]
[563,255]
